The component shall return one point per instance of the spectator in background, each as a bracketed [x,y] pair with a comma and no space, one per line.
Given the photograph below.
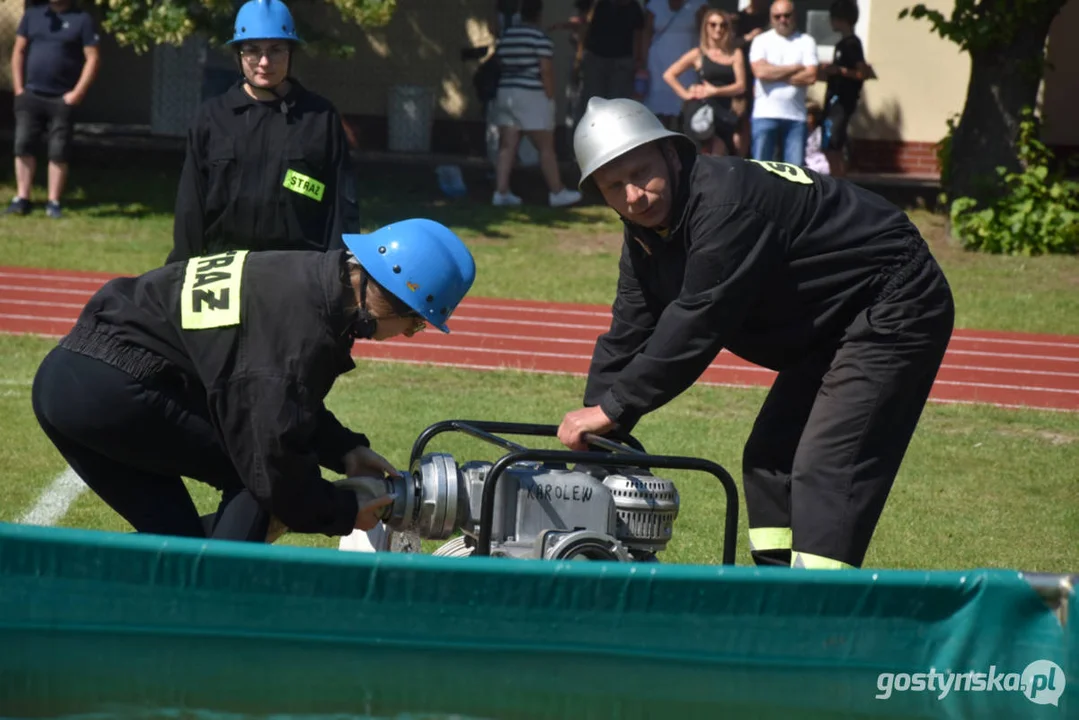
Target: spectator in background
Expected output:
[525,103]
[815,158]
[845,76]
[671,28]
[611,51]
[708,118]
[53,64]
[575,24]
[267,164]
[750,22]
[507,14]
[785,63]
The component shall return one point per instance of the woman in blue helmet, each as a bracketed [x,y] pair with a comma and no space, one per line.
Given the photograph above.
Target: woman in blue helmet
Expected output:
[267,164]
[216,369]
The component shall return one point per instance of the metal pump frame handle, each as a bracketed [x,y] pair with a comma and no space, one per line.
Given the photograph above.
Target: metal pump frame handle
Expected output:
[632,450]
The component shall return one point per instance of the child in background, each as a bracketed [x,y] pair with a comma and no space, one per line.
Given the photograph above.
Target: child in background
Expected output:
[845,76]
[815,158]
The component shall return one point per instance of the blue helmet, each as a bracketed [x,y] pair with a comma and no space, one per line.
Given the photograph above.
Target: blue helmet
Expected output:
[264,20]
[422,262]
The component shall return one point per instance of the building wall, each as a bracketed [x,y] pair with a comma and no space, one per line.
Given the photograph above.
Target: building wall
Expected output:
[923,82]
[421,46]
[922,78]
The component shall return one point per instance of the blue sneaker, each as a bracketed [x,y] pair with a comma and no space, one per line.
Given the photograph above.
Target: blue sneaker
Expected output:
[18,206]
[52,210]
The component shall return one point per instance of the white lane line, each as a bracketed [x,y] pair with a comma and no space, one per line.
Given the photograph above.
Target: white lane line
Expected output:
[9,301]
[53,504]
[47,290]
[995,386]
[960,335]
[55,278]
[567,356]
[1020,356]
[14,316]
[738,386]
[1017,371]
[716,366]
[466,305]
[1015,341]
[952,350]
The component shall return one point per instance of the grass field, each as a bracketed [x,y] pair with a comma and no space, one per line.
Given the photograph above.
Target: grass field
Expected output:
[982,487]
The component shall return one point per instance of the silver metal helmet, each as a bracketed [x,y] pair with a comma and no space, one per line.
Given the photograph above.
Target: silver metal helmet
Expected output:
[611,128]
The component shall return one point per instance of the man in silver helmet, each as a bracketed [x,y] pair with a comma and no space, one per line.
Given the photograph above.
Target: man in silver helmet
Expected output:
[816,278]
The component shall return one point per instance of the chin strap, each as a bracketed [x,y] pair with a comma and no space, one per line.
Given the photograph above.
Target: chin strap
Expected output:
[364,325]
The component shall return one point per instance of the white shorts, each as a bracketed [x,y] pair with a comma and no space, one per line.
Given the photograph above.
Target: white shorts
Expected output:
[528,110]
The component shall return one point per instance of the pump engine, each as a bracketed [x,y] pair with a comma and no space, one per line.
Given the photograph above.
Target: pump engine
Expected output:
[603,504]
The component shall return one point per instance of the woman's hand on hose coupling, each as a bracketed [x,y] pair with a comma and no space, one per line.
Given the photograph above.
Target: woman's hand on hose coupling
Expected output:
[370,514]
[366,471]
[373,494]
[362,460]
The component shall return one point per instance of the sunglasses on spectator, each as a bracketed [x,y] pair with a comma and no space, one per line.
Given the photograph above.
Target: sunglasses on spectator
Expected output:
[782,16]
[720,25]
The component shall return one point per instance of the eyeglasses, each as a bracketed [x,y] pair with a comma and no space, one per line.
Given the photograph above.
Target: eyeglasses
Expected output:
[720,25]
[253,54]
[782,16]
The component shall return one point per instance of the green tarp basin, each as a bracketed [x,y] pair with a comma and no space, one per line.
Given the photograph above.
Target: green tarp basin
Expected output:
[111,625]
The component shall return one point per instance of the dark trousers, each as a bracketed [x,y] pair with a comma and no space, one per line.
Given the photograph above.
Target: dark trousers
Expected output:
[826,447]
[38,115]
[603,77]
[131,442]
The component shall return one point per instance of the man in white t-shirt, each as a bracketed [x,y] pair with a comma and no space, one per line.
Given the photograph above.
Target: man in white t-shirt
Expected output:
[784,64]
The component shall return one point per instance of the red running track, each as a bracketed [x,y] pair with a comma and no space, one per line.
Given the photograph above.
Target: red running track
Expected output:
[995,368]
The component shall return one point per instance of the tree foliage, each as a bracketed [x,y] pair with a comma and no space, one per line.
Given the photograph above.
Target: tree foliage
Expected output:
[1038,212]
[142,24]
[1006,41]
[984,25]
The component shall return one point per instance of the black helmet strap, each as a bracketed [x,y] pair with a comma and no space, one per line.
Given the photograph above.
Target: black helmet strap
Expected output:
[364,325]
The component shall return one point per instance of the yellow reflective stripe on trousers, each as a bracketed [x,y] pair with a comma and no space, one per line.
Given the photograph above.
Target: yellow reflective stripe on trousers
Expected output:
[809,561]
[304,185]
[776,538]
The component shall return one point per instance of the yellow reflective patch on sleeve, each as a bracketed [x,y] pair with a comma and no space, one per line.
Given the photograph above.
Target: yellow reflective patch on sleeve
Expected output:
[786,171]
[210,297]
[304,185]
